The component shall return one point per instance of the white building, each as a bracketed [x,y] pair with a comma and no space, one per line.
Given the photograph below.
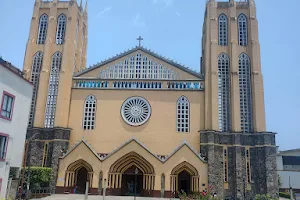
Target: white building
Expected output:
[288,166]
[15,101]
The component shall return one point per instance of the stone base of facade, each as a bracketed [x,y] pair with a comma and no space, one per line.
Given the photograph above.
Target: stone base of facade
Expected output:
[46,148]
[115,192]
[258,150]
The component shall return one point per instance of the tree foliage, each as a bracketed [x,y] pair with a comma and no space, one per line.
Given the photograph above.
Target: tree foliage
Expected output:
[39,177]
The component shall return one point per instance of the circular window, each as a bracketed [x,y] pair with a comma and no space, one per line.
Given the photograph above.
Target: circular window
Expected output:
[136,111]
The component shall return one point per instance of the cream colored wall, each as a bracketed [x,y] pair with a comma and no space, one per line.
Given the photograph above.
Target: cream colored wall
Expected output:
[183,154]
[111,131]
[70,49]
[211,52]
[182,74]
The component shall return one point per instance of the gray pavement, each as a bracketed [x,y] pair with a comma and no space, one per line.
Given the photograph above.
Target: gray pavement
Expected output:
[94,197]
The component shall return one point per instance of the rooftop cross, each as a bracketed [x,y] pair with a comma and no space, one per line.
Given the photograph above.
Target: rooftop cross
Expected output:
[140,40]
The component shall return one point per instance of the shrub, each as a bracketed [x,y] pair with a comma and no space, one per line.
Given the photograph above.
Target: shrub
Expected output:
[284,195]
[39,177]
[263,197]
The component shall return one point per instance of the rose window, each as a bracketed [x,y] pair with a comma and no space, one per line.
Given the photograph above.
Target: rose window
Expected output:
[136,111]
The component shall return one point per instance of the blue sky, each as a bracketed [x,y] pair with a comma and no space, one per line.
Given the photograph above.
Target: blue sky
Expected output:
[173,28]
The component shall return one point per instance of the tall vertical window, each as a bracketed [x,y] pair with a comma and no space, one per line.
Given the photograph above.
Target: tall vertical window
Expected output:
[248,168]
[43,26]
[45,154]
[3,145]
[183,115]
[245,93]
[35,78]
[7,106]
[61,29]
[243,30]
[225,161]
[224,92]
[53,90]
[223,30]
[89,113]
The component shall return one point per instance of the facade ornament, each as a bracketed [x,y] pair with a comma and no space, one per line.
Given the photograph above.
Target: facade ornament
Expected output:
[252,17]
[69,18]
[52,18]
[71,3]
[233,18]
[251,3]
[214,41]
[54,4]
[234,73]
[214,18]
[253,41]
[45,70]
[33,18]
[49,41]
[214,73]
[36,4]
[255,72]
[233,41]
[32,40]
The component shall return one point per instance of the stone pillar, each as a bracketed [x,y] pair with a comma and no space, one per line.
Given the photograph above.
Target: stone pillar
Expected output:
[271,171]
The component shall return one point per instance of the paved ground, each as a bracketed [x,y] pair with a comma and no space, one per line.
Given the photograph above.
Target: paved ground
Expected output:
[93,197]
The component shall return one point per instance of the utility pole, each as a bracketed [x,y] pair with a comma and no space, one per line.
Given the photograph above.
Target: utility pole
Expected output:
[291,189]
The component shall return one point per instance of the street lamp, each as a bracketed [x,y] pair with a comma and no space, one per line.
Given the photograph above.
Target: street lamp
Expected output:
[136,171]
[27,154]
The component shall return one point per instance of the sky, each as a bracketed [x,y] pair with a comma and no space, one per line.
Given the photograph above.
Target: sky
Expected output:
[173,28]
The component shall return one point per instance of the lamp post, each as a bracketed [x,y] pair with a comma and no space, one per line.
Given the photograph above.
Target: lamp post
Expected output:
[27,155]
[136,171]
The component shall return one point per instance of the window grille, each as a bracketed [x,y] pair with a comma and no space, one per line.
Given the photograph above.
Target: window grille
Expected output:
[223,30]
[61,29]
[89,115]
[183,115]
[243,30]
[43,26]
[224,92]
[53,90]
[245,93]
[35,78]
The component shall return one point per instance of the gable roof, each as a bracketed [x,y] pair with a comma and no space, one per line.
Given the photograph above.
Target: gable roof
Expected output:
[289,151]
[140,144]
[145,50]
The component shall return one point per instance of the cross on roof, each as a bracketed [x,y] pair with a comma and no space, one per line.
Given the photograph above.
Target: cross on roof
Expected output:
[140,40]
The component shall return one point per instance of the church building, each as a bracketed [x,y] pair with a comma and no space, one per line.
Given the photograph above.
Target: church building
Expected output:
[139,121]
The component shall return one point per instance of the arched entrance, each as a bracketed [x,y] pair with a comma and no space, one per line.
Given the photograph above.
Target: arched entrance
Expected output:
[129,172]
[185,178]
[77,174]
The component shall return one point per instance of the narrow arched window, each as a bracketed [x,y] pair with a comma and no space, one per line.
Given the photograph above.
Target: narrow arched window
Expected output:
[89,113]
[183,115]
[35,78]
[245,93]
[43,26]
[224,92]
[61,29]
[243,30]
[53,90]
[223,30]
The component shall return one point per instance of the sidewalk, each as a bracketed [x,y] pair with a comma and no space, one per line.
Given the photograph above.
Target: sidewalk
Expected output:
[95,197]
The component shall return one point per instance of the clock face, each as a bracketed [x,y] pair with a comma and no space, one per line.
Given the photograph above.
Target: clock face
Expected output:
[136,111]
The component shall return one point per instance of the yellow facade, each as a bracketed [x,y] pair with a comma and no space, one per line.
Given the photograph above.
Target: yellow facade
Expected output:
[112,147]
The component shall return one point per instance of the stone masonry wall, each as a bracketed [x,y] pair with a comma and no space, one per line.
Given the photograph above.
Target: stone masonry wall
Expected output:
[262,163]
[58,142]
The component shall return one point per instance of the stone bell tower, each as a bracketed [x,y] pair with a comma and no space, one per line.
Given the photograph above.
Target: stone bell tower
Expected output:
[55,50]
[241,155]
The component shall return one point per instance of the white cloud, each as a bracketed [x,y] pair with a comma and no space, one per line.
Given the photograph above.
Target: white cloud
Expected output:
[137,21]
[167,3]
[105,10]
[178,14]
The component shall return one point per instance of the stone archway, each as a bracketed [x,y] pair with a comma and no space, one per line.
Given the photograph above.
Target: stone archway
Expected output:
[77,174]
[184,177]
[122,174]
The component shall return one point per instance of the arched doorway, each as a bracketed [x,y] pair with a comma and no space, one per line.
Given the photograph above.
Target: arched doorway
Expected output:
[184,178]
[82,177]
[77,174]
[130,171]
